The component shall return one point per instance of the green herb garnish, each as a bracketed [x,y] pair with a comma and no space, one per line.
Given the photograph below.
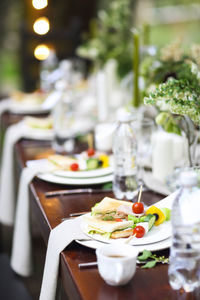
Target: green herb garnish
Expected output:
[153,259]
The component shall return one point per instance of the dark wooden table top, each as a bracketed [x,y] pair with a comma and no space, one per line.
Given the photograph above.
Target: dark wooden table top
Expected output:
[87,284]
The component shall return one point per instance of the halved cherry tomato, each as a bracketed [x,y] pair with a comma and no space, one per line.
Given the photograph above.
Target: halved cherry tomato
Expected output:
[74,167]
[138,208]
[139,231]
[90,152]
[118,220]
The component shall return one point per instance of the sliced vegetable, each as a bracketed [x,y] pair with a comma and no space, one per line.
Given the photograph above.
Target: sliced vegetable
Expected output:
[118,220]
[108,218]
[74,167]
[160,216]
[150,219]
[105,160]
[92,163]
[133,218]
[138,208]
[167,213]
[139,231]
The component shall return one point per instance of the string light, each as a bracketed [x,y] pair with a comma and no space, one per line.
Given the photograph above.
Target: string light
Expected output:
[41,25]
[39,4]
[41,52]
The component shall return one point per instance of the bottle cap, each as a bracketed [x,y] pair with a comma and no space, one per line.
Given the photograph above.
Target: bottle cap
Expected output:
[188,178]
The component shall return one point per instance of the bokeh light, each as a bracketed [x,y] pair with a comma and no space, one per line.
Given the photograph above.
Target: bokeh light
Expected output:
[39,4]
[41,25]
[41,52]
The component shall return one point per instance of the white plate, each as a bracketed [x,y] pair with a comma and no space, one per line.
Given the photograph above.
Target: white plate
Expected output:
[21,108]
[93,244]
[35,133]
[156,234]
[75,181]
[84,174]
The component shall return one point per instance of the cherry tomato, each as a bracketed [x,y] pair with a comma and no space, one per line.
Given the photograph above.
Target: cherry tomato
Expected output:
[118,220]
[90,152]
[74,167]
[138,208]
[139,231]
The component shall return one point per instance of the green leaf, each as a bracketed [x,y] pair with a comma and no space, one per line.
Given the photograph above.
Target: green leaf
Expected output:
[145,255]
[107,186]
[149,264]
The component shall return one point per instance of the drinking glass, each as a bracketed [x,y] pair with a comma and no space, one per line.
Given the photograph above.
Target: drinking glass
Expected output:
[143,129]
[69,122]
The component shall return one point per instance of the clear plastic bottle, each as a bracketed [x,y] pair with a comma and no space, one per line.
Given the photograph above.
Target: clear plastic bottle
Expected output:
[124,153]
[184,267]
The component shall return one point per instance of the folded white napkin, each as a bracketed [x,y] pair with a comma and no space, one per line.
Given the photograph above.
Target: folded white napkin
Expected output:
[60,237]
[7,197]
[13,134]
[21,249]
[4,105]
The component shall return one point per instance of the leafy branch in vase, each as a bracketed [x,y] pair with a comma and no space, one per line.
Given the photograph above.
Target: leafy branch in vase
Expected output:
[179,103]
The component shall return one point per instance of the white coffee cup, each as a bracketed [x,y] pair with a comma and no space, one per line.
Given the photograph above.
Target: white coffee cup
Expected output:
[117,263]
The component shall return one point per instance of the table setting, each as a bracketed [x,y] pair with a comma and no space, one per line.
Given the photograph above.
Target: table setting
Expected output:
[107,174]
[24,103]
[71,229]
[56,243]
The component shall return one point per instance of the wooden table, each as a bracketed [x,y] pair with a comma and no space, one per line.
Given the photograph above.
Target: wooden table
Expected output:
[87,284]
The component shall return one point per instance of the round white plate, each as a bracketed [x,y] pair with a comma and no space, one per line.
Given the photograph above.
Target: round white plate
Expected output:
[156,234]
[19,108]
[74,181]
[39,134]
[84,174]
[93,244]
[35,133]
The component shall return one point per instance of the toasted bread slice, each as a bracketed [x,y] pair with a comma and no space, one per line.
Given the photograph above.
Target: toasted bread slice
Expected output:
[61,161]
[121,233]
[106,226]
[108,205]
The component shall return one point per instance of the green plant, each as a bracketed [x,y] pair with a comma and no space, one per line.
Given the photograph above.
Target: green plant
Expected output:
[177,97]
[153,259]
[111,37]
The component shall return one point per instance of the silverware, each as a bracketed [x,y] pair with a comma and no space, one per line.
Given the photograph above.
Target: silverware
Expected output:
[74,215]
[94,264]
[78,213]
[87,265]
[76,191]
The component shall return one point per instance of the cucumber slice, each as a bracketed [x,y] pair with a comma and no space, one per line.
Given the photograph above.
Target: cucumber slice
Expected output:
[167,213]
[145,218]
[150,219]
[92,163]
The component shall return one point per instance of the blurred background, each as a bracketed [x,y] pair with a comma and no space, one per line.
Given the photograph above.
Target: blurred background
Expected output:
[32,30]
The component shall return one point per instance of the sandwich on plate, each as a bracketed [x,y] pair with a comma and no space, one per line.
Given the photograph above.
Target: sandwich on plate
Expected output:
[116,219]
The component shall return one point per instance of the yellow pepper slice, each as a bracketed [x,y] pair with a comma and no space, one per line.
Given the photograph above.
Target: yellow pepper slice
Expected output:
[105,160]
[160,216]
